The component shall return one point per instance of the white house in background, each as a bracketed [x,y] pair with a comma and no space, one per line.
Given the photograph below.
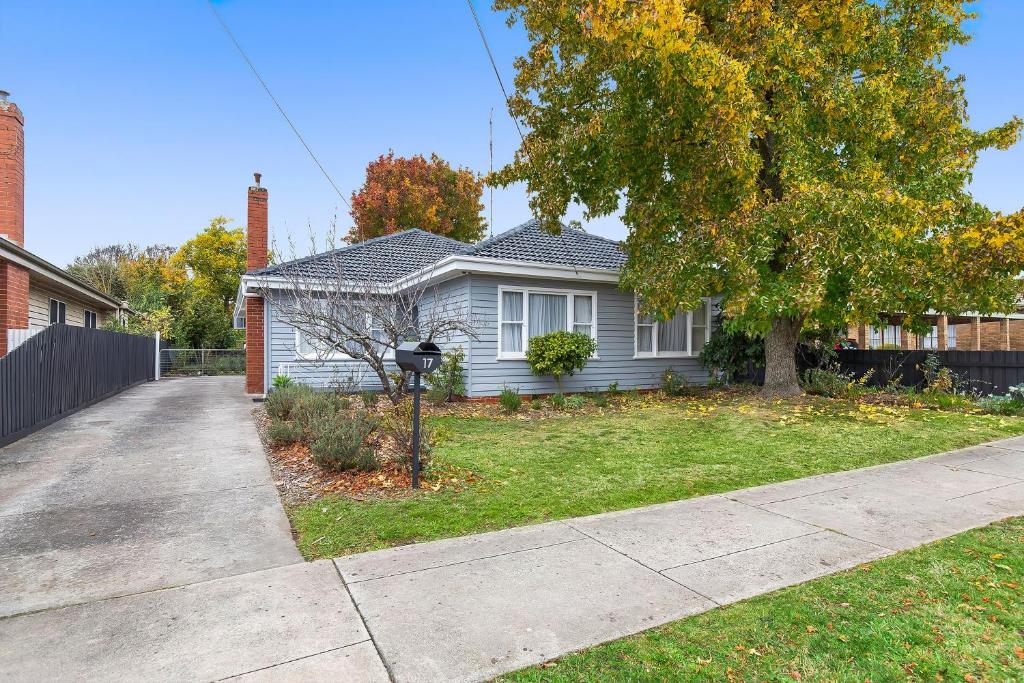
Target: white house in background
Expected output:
[517,285]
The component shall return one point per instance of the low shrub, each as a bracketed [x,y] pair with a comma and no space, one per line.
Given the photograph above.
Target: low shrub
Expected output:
[827,381]
[575,402]
[281,432]
[536,404]
[673,382]
[510,400]
[316,408]
[281,403]
[557,401]
[447,382]
[340,443]
[369,399]
[397,426]
[599,400]
[1001,405]
[613,389]
[282,382]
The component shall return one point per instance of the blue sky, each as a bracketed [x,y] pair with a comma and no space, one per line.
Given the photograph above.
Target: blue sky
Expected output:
[142,122]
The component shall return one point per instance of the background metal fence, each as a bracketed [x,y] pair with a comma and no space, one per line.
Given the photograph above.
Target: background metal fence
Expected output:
[63,369]
[986,372]
[192,362]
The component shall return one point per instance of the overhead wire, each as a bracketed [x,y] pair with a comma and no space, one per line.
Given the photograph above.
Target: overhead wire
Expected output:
[284,114]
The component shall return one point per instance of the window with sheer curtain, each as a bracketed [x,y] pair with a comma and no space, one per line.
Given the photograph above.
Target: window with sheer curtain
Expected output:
[685,334]
[525,313]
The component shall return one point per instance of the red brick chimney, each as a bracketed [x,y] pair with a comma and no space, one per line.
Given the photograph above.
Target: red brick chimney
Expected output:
[13,278]
[255,258]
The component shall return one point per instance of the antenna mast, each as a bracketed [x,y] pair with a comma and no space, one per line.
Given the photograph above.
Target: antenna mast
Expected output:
[490,184]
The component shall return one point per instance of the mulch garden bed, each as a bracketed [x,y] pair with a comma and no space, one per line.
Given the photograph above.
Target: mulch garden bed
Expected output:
[300,480]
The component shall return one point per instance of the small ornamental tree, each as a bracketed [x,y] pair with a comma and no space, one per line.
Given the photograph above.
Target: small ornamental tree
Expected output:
[560,353]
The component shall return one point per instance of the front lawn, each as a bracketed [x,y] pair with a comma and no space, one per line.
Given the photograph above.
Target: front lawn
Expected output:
[649,451]
[949,611]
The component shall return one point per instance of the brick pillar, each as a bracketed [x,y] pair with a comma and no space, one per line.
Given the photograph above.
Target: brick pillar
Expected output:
[12,172]
[862,336]
[255,258]
[973,335]
[254,345]
[13,300]
[1004,334]
[941,325]
[906,339]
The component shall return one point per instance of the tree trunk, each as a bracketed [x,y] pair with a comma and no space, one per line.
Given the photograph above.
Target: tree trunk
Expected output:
[780,377]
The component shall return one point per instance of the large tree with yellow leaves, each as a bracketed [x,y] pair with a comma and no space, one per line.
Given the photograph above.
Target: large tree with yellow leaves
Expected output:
[806,160]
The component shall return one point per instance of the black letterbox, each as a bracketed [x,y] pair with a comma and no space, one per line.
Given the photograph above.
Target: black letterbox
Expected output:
[422,357]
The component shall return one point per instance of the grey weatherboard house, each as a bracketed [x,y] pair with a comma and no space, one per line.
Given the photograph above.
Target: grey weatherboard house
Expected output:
[516,285]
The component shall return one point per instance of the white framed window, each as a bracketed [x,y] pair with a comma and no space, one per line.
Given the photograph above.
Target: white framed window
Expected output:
[90,318]
[951,336]
[58,312]
[887,335]
[685,334]
[309,348]
[527,312]
[930,341]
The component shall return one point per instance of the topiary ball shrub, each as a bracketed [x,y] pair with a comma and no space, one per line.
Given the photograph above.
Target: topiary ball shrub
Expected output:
[560,354]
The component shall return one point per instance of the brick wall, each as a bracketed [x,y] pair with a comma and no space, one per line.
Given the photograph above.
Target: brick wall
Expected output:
[13,300]
[254,346]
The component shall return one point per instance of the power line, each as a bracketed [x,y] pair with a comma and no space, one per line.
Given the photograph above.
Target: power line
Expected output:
[494,66]
[277,104]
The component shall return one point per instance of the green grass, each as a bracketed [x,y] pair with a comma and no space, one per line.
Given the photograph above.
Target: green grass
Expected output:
[950,611]
[543,469]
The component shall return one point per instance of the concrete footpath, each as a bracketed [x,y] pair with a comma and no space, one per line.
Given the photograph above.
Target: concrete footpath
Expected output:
[151,576]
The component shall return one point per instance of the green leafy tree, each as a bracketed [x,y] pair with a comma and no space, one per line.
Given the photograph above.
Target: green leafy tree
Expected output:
[215,259]
[808,161]
[560,354]
[412,192]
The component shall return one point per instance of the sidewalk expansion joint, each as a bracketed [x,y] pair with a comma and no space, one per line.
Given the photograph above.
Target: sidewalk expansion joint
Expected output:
[366,625]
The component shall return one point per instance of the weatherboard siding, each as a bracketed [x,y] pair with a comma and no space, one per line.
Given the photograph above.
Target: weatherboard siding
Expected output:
[484,373]
[615,346]
[320,374]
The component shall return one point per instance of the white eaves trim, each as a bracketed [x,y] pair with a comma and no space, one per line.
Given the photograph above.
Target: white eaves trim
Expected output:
[447,268]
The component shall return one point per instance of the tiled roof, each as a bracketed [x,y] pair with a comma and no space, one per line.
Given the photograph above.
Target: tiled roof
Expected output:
[381,259]
[531,243]
[387,258]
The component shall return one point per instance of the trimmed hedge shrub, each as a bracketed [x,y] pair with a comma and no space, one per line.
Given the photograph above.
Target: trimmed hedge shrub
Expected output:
[560,353]
[339,444]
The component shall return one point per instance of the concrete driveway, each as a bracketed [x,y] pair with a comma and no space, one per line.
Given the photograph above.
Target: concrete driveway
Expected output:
[143,538]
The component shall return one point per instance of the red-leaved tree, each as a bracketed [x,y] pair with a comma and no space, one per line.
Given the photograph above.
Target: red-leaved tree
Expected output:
[401,193]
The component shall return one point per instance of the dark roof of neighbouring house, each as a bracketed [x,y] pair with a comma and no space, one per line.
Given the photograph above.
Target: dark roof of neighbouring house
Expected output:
[387,258]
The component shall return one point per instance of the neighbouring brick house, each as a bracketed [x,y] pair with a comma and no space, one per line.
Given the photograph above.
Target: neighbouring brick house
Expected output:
[964,332]
[34,293]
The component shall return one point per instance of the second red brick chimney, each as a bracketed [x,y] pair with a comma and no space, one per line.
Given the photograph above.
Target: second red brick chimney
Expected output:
[12,171]
[255,258]
[13,278]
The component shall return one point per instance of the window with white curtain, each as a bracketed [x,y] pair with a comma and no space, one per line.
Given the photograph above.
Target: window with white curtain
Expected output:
[887,335]
[930,341]
[314,348]
[527,312]
[685,334]
[951,337]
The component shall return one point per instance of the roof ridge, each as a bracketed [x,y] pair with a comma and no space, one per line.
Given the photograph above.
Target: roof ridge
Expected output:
[483,244]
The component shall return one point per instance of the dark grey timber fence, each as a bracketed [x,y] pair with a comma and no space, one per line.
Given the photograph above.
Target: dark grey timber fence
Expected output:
[63,369]
[987,372]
